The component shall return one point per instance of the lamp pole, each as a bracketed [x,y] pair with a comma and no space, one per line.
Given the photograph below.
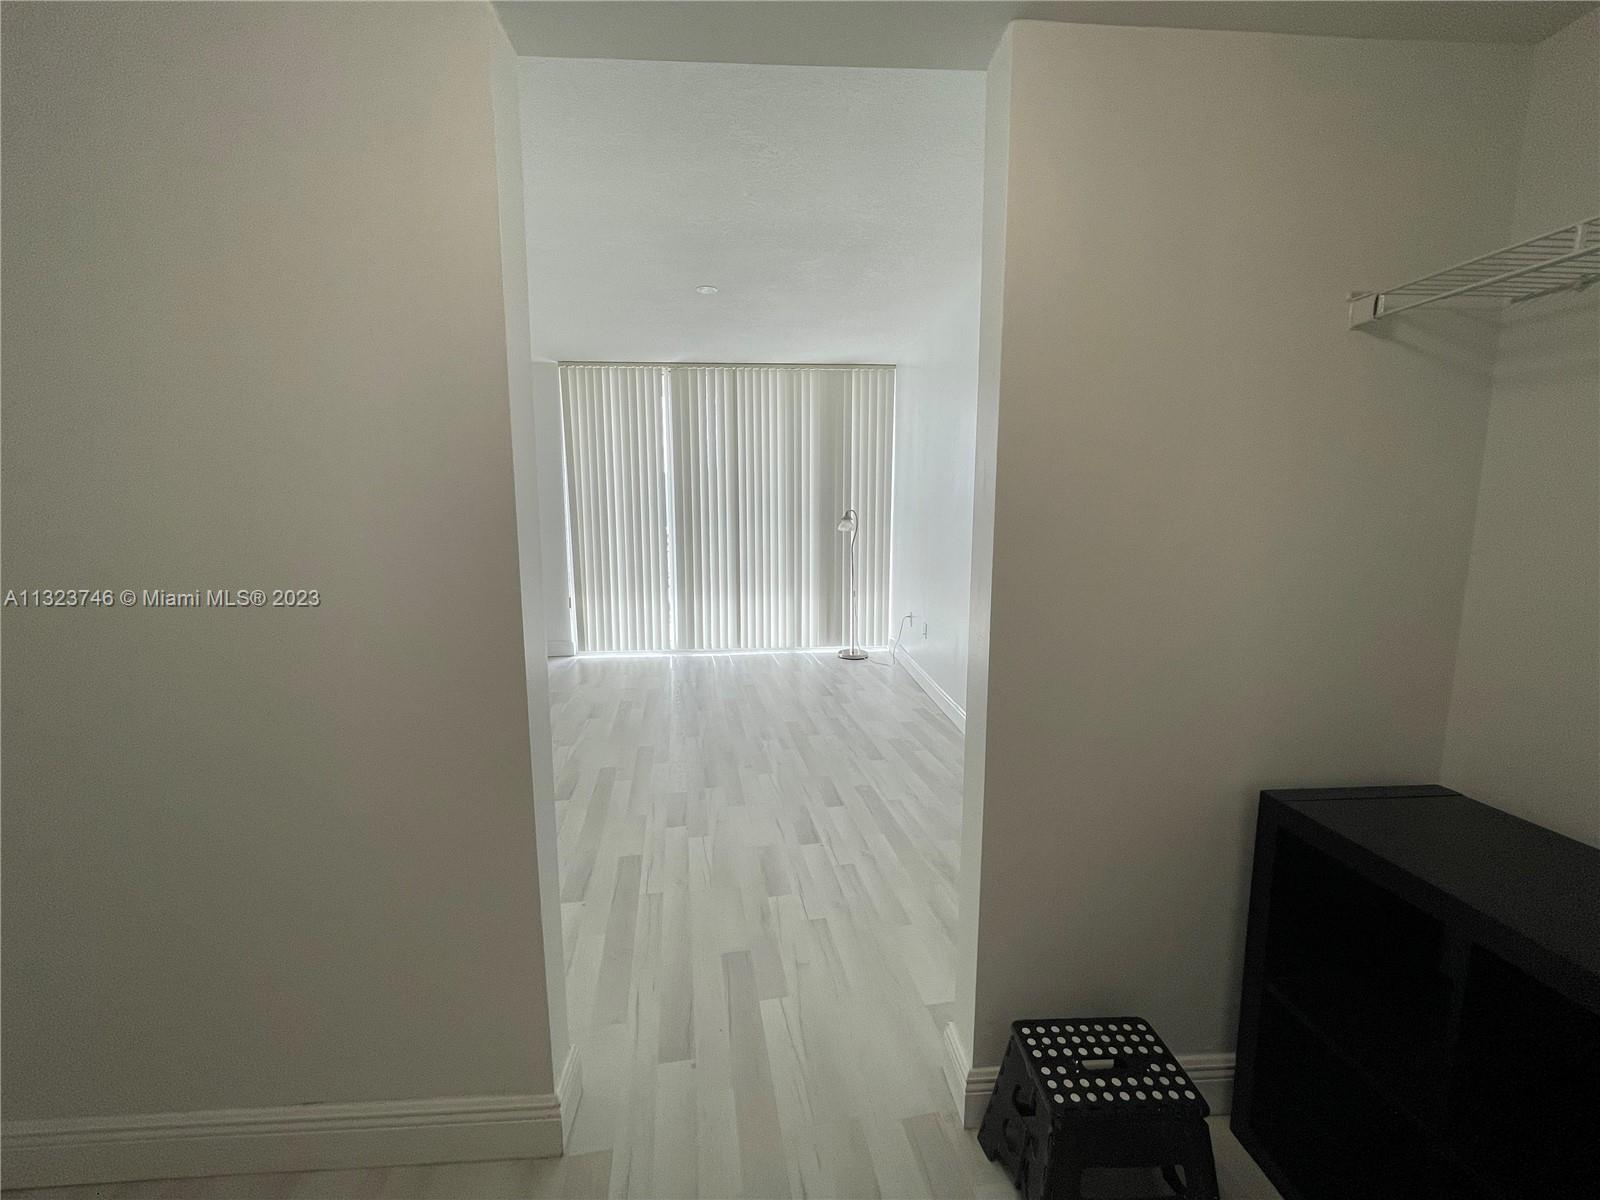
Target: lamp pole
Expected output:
[848,524]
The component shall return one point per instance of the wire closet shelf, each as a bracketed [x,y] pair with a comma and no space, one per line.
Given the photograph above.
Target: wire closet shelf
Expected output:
[1565,258]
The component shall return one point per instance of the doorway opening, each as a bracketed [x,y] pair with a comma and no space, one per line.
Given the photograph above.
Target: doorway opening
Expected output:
[758,841]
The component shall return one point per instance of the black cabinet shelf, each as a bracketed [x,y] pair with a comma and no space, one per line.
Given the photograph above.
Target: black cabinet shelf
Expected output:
[1420,1016]
[1394,1081]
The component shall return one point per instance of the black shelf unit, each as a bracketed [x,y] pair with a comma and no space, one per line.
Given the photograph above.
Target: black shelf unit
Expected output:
[1420,1017]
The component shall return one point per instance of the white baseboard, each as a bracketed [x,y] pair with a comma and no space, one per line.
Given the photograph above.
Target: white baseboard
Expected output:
[937,694]
[303,1137]
[1213,1075]
[970,1087]
[560,648]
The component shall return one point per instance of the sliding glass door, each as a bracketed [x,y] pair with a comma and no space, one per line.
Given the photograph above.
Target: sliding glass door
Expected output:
[704,500]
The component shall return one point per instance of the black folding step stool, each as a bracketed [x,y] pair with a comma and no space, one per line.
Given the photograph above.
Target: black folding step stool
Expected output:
[1079,1092]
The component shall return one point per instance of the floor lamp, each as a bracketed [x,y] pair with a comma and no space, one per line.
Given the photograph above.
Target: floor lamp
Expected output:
[847,524]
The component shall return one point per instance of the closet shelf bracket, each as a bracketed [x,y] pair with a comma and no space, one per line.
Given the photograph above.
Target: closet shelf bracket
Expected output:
[1566,258]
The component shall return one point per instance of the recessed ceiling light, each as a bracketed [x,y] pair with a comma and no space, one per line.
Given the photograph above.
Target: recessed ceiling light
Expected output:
[705,289]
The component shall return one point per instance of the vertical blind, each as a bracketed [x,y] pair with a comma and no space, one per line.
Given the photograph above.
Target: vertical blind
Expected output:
[704,501]
[618,506]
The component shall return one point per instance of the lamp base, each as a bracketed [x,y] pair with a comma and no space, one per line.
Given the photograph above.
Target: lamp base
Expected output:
[853,655]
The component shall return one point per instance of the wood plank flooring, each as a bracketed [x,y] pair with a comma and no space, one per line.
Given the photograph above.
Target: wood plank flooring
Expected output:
[758,879]
[759,861]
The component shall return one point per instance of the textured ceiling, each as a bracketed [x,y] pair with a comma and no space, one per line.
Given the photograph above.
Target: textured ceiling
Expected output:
[837,210]
[959,34]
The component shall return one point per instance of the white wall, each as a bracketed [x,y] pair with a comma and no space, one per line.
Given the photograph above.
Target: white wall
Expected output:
[256,335]
[834,208]
[992,310]
[1524,730]
[936,409]
[533,490]
[1229,535]
[545,434]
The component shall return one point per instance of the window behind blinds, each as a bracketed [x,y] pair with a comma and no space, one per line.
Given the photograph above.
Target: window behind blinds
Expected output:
[703,501]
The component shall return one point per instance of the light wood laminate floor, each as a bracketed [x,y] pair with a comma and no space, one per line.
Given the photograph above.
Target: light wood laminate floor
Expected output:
[759,859]
[758,878]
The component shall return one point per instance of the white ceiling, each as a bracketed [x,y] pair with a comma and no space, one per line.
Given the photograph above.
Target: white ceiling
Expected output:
[837,210]
[961,34]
